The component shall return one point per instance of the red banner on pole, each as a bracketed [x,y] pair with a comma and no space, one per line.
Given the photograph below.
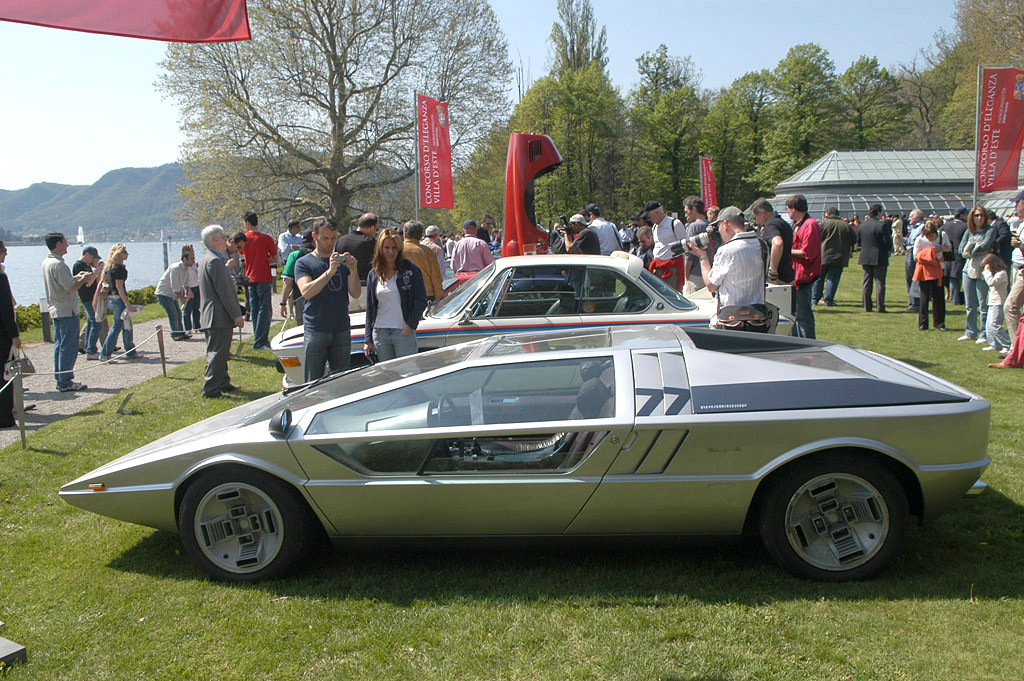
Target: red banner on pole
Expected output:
[1000,129]
[434,152]
[183,21]
[707,183]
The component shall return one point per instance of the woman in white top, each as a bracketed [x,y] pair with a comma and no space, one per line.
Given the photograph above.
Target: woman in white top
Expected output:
[395,300]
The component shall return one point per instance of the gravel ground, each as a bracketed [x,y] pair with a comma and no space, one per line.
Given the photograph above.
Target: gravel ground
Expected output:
[103,380]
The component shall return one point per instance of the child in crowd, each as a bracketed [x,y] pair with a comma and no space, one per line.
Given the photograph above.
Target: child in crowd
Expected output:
[993,269]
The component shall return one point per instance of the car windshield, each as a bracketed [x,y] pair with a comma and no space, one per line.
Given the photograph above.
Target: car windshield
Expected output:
[671,296]
[453,304]
[379,374]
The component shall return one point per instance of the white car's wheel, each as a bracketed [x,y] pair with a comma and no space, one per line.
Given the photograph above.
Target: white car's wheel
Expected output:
[239,524]
[837,518]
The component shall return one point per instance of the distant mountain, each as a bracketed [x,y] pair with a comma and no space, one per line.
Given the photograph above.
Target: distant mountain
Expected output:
[124,203]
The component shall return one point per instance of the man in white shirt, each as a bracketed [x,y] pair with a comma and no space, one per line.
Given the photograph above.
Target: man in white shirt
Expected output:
[288,241]
[62,298]
[667,230]
[737,274]
[173,289]
[605,231]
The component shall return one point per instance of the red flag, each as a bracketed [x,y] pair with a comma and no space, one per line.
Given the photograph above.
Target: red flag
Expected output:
[707,183]
[434,153]
[1000,129]
[179,21]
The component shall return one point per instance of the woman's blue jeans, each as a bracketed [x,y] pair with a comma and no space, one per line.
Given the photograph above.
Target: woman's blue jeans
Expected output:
[117,307]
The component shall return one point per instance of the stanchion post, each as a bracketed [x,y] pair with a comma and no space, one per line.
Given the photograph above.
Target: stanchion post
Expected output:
[160,342]
[44,313]
[19,403]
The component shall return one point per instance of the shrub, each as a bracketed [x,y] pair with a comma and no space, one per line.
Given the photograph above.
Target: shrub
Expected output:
[28,317]
[142,296]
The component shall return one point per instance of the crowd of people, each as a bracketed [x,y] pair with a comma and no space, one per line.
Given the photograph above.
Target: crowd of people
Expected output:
[972,257]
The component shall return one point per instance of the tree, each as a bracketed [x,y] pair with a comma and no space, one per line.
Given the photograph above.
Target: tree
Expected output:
[734,132]
[583,114]
[803,86]
[315,114]
[927,83]
[575,40]
[666,112]
[874,116]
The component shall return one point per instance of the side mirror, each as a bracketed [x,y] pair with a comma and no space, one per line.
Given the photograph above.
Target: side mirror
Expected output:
[281,423]
[464,320]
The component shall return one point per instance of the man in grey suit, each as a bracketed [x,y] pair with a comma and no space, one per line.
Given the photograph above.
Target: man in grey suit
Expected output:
[221,312]
[875,239]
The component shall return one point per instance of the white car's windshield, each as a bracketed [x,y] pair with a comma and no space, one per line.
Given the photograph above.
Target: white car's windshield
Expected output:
[671,296]
[453,304]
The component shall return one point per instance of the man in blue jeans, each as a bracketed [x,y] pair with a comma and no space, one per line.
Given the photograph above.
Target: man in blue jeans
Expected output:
[62,298]
[89,261]
[259,251]
[326,279]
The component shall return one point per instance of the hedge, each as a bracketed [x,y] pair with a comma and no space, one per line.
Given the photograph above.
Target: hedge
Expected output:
[29,317]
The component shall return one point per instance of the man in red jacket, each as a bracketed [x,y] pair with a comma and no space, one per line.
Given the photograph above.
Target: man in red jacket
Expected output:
[259,251]
[806,263]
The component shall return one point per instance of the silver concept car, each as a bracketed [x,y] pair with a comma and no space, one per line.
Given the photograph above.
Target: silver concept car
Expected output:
[825,450]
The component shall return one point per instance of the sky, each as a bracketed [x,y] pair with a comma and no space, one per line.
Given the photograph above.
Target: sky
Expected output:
[77,105]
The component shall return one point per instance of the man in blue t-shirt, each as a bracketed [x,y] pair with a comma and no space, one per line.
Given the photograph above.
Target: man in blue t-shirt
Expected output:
[326,279]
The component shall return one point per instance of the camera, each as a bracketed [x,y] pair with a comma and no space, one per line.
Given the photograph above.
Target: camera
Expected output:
[702,241]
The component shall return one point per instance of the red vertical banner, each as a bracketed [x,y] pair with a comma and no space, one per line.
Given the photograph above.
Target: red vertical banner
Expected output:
[1000,128]
[707,183]
[434,154]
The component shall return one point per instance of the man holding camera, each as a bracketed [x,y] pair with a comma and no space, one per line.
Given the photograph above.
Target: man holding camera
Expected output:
[737,274]
[579,238]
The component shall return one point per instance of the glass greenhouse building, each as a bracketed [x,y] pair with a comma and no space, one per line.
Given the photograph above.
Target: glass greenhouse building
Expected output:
[935,180]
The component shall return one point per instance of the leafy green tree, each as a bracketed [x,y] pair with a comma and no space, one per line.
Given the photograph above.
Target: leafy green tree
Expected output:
[733,135]
[575,41]
[873,114]
[805,108]
[315,113]
[666,112]
[584,115]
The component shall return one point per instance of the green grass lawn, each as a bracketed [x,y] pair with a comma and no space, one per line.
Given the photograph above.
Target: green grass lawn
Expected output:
[94,598]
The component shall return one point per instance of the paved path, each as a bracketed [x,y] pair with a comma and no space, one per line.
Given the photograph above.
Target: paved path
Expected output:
[103,380]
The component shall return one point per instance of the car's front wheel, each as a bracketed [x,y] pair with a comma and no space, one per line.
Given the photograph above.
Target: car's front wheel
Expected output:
[835,518]
[239,524]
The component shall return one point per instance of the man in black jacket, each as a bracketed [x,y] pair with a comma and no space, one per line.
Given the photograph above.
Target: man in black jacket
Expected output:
[875,241]
[953,270]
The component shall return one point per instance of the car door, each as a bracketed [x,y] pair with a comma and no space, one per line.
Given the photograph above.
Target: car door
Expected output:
[526,298]
[511,447]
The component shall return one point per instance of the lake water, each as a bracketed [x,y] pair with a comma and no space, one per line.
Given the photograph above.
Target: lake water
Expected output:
[145,264]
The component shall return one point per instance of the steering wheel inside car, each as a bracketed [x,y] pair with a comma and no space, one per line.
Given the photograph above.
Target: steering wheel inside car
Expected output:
[438,409]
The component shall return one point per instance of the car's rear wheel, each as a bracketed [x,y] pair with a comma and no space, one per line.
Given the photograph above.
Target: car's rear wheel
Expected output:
[836,518]
[239,524]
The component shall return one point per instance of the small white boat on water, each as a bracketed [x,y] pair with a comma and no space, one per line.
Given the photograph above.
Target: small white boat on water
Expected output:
[81,236]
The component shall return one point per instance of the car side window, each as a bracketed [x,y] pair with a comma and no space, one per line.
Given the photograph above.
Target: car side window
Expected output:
[540,291]
[554,452]
[523,392]
[608,292]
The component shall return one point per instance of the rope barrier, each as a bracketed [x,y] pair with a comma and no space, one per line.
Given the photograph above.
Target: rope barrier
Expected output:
[101,364]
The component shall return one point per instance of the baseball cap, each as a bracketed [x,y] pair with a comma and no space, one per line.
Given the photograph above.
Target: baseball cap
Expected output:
[1019,197]
[307,236]
[651,205]
[730,213]
[469,223]
[578,218]
[963,209]
[91,250]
